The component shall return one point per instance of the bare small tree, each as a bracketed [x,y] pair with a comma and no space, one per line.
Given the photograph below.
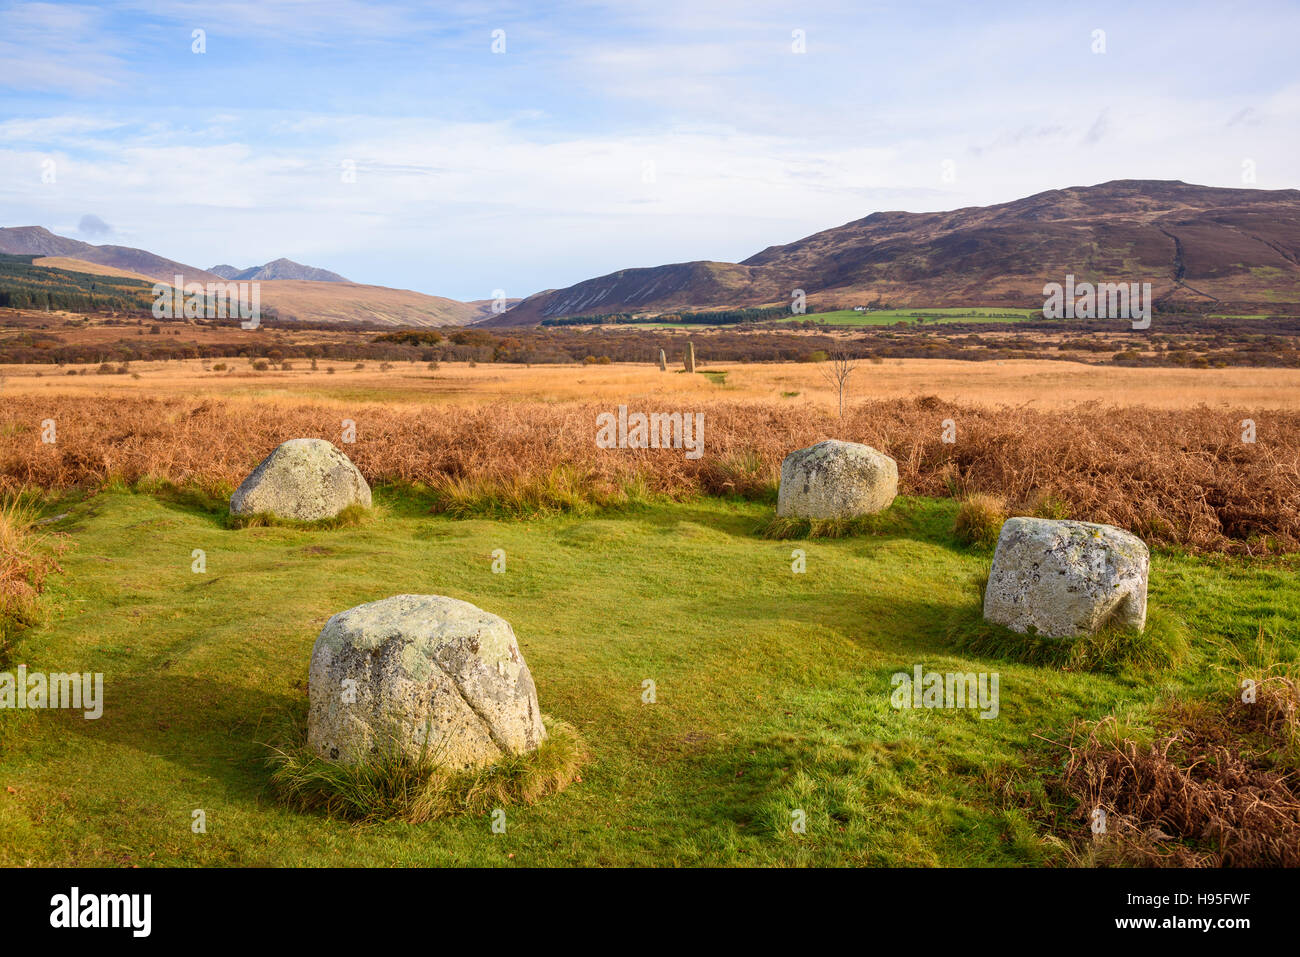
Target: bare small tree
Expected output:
[839,366]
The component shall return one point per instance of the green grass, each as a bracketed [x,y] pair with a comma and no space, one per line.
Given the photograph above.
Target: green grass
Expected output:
[938,315]
[926,316]
[900,518]
[772,689]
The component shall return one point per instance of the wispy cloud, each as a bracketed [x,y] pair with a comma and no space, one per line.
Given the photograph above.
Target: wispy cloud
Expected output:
[48,47]
[389,142]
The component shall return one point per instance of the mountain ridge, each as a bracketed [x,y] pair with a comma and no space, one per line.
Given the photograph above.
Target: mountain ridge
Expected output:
[291,299]
[275,270]
[1200,244]
[39,241]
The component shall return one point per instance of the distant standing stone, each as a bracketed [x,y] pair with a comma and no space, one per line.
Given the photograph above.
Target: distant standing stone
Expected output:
[425,674]
[690,357]
[663,361]
[303,479]
[1066,579]
[835,479]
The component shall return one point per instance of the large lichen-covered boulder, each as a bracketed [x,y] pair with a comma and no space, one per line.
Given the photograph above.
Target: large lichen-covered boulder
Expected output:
[1067,579]
[303,479]
[835,479]
[423,674]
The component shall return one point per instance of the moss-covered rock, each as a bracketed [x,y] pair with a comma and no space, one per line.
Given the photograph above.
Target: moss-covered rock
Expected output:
[304,480]
[430,675]
[1065,579]
[835,479]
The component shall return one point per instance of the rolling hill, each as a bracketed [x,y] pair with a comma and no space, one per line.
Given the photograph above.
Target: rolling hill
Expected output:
[293,291]
[312,301]
[1199,245]
[38,241]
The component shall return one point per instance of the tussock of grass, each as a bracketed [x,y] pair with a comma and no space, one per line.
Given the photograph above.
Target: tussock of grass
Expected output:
[1162,643]
[1041,504]
[979,520]
[26,558]
[350,517]
[1259,657]
[398,787]
[981,515]
[743,473]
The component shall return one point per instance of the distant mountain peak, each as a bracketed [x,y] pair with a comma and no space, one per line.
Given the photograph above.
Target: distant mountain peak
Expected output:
[277,269]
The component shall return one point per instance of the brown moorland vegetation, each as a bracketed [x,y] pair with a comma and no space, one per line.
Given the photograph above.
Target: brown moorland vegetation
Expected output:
[1217,787]
[27,557]
[1050,384]
[64,339]
[1177,477]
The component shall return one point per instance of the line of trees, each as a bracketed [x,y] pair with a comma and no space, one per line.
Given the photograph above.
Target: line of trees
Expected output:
[25,286]
[1200,342]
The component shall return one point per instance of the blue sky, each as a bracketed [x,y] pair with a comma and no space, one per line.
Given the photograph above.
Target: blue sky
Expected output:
[606,135]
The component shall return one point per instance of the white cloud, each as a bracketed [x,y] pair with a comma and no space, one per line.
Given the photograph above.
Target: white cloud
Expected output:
[751,145]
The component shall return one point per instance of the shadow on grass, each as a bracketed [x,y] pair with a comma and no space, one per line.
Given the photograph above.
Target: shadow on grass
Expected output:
[927,520]
[921,519]
[737,522]
[213,507]
[204,726]
[867,619]
[253,742]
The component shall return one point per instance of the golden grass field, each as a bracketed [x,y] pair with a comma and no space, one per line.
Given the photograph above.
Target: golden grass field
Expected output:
[1040,384]
[1158,451]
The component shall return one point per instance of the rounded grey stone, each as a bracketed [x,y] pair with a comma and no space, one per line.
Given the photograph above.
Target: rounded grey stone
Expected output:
[1066,579]
[303,479]
[835,479]
[426,674]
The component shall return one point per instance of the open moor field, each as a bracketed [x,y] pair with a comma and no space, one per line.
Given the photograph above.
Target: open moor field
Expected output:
[1180,477]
